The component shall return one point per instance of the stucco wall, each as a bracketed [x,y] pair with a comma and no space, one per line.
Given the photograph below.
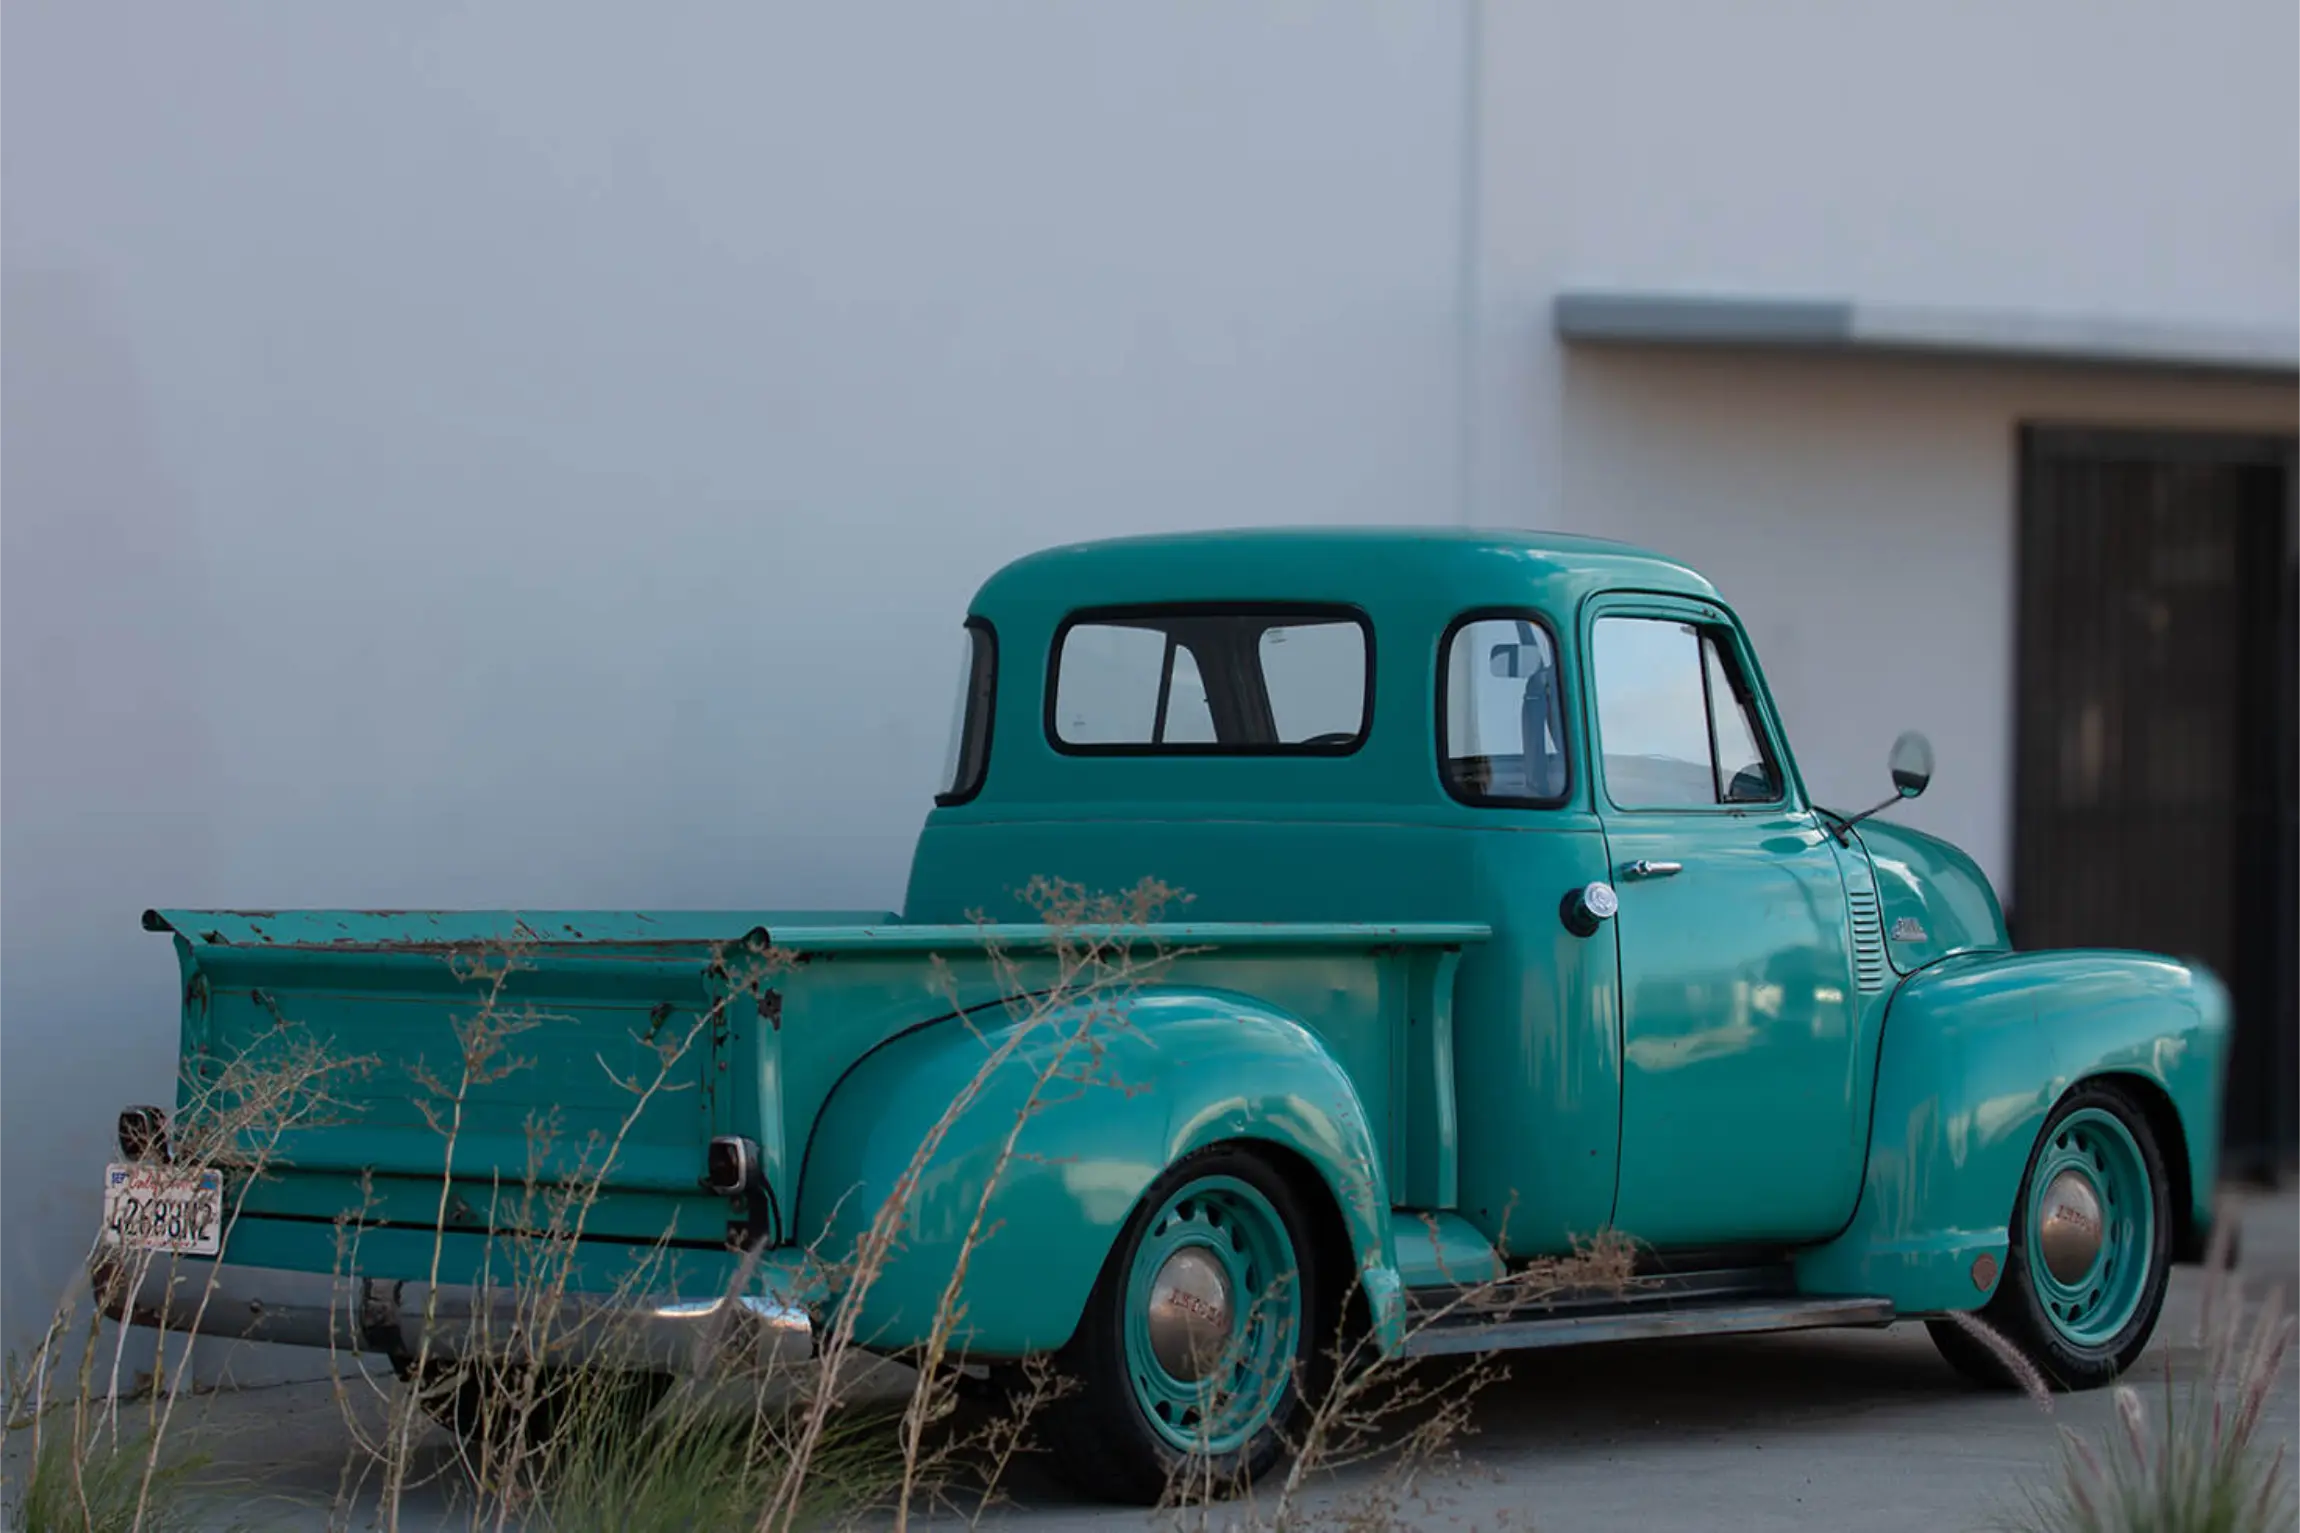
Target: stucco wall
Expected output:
[1860,516]
[2128,162]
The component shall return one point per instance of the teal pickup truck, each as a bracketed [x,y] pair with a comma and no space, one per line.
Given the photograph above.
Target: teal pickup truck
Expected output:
[1510,926]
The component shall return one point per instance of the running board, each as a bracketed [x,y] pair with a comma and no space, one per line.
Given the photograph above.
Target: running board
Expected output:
[1446,1338]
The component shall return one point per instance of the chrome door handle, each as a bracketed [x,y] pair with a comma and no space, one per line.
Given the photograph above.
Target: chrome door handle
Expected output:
[1645,869]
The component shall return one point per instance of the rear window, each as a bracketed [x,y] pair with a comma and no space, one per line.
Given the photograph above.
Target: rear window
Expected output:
[1254,681]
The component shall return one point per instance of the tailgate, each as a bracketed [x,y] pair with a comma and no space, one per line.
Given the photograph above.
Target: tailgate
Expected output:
[476,1068]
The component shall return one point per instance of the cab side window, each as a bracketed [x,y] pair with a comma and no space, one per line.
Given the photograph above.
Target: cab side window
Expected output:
[1676,726]
[1501,714]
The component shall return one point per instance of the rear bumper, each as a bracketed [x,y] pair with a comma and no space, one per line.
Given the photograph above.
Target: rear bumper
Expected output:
[677,1334]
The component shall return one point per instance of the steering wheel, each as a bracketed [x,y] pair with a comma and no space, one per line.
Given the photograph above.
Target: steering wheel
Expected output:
[1331,737]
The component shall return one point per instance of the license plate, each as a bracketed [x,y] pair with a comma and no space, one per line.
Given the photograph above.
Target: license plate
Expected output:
[164,1208]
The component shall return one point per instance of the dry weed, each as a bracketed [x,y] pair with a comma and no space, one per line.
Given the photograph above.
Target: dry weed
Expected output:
[2197,1464]
[1408,1415]
[1061,1005]
[233,1116]
[581,1447]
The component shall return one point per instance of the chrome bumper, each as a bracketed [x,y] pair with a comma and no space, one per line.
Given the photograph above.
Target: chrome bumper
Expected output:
[689,1336]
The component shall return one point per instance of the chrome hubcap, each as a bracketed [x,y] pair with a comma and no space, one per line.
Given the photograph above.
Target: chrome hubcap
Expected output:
[1190,1315]
[2068,1226]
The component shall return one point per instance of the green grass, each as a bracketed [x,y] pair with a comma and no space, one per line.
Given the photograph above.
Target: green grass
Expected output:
[99,1493]
[692,1467]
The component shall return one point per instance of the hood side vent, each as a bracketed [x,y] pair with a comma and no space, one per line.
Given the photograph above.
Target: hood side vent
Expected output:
[1869,968]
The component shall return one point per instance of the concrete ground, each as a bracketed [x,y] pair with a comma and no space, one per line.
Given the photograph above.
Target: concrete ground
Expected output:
[1855,1432]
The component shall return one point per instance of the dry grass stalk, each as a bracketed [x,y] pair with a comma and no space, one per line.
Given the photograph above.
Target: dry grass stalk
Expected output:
[233,1117]
[1095,969]
[2198,1466]
[797,1461]
[783,1450]
[512,1378]
[2009,1356]
[1409,1414]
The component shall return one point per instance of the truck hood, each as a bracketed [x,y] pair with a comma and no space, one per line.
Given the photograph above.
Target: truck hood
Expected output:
[1934,899]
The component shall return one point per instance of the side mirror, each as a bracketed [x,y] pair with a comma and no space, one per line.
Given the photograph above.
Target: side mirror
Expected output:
[1911,764]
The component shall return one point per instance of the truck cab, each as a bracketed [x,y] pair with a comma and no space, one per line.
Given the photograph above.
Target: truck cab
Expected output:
[1674,1027]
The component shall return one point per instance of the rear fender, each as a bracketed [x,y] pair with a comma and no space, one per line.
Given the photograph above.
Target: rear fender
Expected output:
[1183,1070]
[1976,1051]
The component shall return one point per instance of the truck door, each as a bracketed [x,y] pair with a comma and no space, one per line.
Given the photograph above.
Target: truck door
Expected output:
[1738,1113]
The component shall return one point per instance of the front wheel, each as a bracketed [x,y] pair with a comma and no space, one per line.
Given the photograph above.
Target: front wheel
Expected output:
[2089,1251]
[1200,1338]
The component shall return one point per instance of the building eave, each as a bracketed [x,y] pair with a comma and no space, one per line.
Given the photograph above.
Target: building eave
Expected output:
[1590,317]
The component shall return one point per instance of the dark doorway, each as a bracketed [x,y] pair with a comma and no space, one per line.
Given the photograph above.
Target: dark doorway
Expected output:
[2156,801]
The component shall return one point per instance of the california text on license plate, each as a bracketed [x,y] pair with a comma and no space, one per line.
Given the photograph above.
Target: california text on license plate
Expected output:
[164,1208]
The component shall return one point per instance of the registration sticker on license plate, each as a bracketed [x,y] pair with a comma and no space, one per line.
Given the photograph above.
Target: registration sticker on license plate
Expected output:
[164,1208]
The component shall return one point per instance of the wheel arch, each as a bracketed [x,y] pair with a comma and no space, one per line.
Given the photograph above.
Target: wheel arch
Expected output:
[1977,1052]
[1192,1069]
[2155,1105]
[1331,1245]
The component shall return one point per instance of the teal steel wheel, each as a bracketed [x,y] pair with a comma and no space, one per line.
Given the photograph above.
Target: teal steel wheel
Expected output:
[1213,1310]
[1199,1343]
[2091,1225]
[2088,1249]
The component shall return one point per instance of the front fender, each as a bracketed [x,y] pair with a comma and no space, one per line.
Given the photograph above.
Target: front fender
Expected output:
[1184,1070]
[1976,1051]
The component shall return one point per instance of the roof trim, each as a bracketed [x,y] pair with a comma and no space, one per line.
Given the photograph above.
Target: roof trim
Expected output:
[1629,318]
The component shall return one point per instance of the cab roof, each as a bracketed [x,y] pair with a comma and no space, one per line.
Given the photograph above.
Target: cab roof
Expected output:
[1411,584]
[1456,566]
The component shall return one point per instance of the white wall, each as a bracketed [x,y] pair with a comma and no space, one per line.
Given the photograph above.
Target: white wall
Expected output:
[538,454]
[2122,157]
[2132,161]
[1860,517]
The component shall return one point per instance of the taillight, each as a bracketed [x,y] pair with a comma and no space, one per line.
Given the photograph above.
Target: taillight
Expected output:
[730,1165]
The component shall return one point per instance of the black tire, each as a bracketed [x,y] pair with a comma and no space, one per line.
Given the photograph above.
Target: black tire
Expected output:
[2018,1313]
[1100,1441]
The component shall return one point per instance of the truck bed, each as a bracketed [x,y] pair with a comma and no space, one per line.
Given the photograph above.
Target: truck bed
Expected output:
[628,1039]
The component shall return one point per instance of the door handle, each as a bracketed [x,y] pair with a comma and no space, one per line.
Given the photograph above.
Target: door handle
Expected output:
[1643,868]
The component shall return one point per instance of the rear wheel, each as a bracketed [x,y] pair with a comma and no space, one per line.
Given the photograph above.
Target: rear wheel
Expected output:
[2089,1253]
[1200,1338]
